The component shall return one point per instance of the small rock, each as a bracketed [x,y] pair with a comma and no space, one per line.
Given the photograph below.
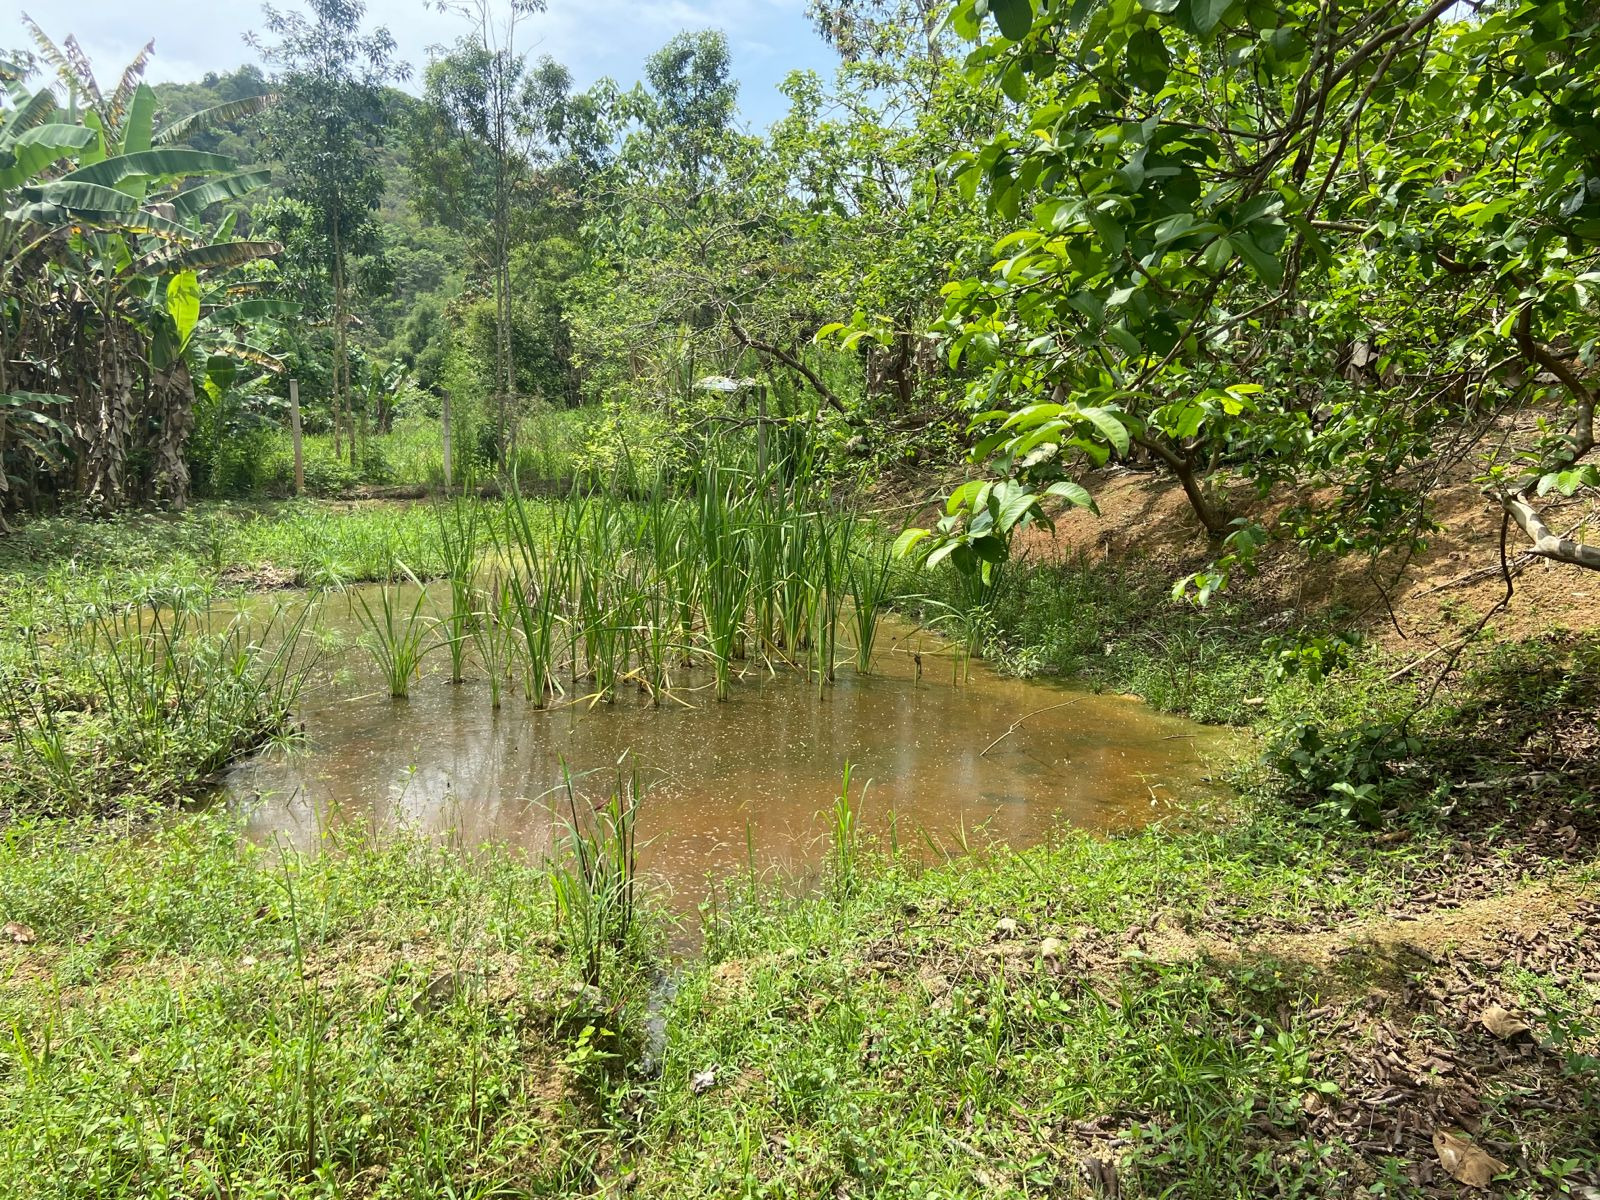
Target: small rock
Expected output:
[1052,948]
[1005,927]
[19,933]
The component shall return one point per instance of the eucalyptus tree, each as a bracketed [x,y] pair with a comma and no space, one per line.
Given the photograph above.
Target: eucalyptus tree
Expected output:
[482,149]
[1297,242]
[322,132]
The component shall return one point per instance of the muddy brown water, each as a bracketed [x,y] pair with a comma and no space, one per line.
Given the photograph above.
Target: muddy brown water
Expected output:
[746,783]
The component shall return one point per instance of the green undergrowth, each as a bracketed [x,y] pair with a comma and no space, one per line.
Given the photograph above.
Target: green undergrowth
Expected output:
[124,683]
[188,1015]
[212,548]
[1009,1025]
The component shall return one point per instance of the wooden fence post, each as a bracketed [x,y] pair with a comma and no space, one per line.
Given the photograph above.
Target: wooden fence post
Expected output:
[444,416]
[294,428]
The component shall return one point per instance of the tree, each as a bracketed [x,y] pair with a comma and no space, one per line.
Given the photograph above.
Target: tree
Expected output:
[480,142]
[1297,243]
[322,131]
[104,238]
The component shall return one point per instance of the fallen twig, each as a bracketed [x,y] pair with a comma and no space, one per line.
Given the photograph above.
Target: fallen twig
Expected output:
[1017,724]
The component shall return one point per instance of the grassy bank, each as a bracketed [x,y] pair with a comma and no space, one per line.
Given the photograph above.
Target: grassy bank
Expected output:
[188,1016]
[123,685]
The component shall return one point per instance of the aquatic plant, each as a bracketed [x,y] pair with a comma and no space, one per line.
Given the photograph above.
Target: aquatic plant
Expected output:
[493,631]
[843,836]
[534,590]
[595,884]
[869,573]
[396,636]
[458,522]
[143,700]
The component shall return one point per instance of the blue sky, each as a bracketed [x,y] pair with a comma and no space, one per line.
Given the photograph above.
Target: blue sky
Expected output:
[593,38]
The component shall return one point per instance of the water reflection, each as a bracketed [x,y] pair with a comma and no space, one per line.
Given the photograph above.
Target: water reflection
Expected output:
[733,784]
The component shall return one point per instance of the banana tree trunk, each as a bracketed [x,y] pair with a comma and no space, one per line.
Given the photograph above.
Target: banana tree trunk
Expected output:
[105,435]
[173,393]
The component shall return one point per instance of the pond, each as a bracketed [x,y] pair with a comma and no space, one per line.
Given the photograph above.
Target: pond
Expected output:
[946,754]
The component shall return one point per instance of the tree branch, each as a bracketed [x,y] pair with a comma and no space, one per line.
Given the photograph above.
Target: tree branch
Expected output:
[1583,428]
[788,360]
[1547,544]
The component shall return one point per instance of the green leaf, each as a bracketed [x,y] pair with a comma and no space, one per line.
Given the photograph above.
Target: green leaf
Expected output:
[39,147]
[1110,426]
[1207,14]
[254,310]
[1015,17]
[1148,60]
[1109,231]
[210,118]
[1263,264]
[220,256]
[194,201]
[152,164]
[1074,494]
[140,120]
[907,541]
[183,305]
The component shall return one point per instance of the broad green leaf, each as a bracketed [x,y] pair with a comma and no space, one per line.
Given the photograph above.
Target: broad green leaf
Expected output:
[206,258]
[140,121]
[1109,425]
[154,164]
[1208,14]
[254,310]
[1074,494]
[1015,17]
[907,541]
[210,118]
[183,305]
[39,147]
[193,201]
[1266,266]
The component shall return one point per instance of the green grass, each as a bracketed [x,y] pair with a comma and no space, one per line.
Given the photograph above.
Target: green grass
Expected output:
[924,1036]
[199,1017]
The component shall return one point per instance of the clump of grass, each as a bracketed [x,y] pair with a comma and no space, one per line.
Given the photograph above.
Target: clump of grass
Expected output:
[595,885]
[459,545]
[493,633]
[869,572]
[843,839]
[396,636]
[140,703]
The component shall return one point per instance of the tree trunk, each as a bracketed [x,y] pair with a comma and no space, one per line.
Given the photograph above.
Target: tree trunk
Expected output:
[106,437]
[173,392]
[339,401]
[1182,466]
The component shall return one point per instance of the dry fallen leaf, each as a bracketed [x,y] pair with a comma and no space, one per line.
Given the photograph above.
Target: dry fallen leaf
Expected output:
[1464,1161]
[1051,948]
[19,933]
[1502,1024]
[703,1081]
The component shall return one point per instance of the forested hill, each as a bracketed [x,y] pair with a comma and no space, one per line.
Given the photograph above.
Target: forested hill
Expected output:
[423,264]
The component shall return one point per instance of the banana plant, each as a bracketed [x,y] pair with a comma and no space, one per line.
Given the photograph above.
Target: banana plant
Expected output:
[103,212]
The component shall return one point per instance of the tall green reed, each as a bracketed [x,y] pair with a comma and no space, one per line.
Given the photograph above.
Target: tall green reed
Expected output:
[596,884]
[396,636]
